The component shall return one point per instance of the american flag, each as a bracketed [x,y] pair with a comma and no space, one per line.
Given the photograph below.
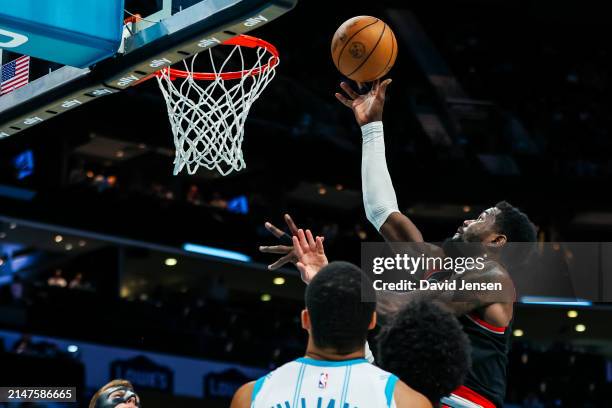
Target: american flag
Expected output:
[15,74]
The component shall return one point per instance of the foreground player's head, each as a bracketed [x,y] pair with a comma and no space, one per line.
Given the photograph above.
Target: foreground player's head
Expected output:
[426,348]
[494,228]
[115,394]
[335,317]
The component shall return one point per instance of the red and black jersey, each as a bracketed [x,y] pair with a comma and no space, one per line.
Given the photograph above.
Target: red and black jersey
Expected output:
[485,384]
[490,347]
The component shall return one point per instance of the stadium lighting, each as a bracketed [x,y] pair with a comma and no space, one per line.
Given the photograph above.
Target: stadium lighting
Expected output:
[580,328]
[279,280]
[58,238]
[518,333]
[73,348]
[572,314]
[266,297]
[552,301]
[170,262]
[216,252]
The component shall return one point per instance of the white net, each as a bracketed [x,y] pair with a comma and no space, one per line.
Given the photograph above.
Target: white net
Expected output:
[207,116]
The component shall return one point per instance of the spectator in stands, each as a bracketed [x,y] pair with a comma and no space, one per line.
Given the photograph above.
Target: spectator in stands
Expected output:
[57,279]
[116,394]
[17,288]
[193,195]
[77,282]
[218,201]
[23,345]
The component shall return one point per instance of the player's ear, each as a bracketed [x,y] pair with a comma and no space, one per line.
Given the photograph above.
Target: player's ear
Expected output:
[372,322]
[306,320]
[498,240]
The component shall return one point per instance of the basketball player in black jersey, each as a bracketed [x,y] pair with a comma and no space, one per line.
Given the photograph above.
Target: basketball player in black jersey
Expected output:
[486,317]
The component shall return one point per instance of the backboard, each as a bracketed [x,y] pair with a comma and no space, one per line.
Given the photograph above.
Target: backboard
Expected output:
[175,31]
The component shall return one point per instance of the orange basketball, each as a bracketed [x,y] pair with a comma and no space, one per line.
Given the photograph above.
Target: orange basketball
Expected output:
[364,48]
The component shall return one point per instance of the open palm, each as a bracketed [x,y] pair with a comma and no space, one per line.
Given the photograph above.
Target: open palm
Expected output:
[310,254]
[367,107]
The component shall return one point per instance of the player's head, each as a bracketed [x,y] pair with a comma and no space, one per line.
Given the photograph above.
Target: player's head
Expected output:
[116,394]
[425,346]
[336,318]
[494,228]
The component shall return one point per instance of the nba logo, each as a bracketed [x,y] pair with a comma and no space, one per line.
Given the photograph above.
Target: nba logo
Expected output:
[323,380]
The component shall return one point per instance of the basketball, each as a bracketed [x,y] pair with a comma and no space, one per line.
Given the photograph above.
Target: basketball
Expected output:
[364,48]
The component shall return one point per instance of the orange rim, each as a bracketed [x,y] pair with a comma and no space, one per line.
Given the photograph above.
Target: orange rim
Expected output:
[241,40]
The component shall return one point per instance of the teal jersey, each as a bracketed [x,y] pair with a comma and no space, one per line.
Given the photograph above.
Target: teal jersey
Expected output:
[309,383]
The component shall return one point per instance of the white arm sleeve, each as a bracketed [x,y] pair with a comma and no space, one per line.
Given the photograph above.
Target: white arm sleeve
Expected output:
[378,194]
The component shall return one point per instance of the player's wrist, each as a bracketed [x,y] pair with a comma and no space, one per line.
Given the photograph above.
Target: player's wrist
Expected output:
[372,130]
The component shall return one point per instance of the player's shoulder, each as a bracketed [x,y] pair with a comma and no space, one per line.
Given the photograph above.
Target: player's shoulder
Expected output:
[249,391]
[243,396]
[279,372]
[373,371]
[408,397]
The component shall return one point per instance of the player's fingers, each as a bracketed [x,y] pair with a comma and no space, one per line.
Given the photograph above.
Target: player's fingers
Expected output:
[276,249]
[319,245]
[376,86]
[302,239]
[292,227]
[349,91]
[310,240]
[277,232]
[383,87]
[343,100]
[282,261]
[298,248]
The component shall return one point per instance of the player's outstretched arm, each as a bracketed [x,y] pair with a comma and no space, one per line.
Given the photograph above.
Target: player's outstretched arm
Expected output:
[379,197]
[242,397]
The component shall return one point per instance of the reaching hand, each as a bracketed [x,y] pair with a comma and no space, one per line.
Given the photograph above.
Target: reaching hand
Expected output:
[367,107]
[288,252]
[310,254]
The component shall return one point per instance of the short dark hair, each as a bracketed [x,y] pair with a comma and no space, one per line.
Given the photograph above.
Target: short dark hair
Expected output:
[514,223]
[339,317]
[517,227]
[425,346]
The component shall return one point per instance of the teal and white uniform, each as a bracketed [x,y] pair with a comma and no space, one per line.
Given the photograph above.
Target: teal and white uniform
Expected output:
[309,383]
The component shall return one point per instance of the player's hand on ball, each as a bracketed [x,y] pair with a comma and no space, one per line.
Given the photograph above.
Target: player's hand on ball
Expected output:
[310,254]
[287,250]
[367,107]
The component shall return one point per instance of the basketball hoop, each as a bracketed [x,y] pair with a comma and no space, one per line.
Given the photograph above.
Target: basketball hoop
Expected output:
[208,119]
